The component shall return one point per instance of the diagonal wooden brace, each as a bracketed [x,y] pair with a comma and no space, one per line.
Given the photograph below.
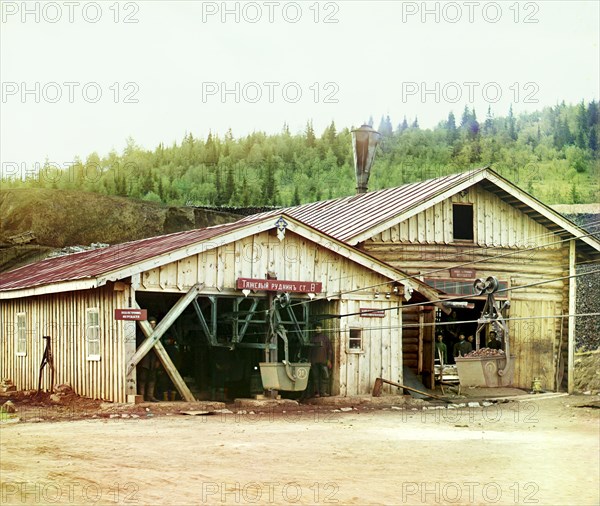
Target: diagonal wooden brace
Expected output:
[167,363]
[153,341]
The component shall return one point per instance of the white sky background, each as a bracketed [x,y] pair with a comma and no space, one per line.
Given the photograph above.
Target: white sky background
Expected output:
[374,49]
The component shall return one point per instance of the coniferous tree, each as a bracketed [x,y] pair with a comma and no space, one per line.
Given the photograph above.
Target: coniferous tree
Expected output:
[593,129]
[581,134]
[245,196]
[210,149]
[311,139]
[403,126]
[511,124]
[229,190]
[488,125]
[296,196]
[451,132]
[385,126]
[219,200]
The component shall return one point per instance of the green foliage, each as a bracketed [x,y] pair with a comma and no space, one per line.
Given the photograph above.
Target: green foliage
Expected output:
[552,154]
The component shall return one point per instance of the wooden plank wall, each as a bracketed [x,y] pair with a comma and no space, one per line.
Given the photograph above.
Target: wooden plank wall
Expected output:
[422,246]
[63,317]
[496,224]
[295,258]
[382,347]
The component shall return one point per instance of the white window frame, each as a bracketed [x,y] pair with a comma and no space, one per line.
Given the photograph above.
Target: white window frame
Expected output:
[21,335]
[92,335]
[355,350]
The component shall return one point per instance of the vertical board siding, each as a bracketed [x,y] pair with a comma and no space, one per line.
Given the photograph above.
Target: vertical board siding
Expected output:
[496,224]
[382,347]
[63,317]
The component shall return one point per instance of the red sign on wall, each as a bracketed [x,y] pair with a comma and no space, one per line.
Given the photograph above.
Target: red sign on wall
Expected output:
[278,285]
[369,312]
[459,272]
[131,314]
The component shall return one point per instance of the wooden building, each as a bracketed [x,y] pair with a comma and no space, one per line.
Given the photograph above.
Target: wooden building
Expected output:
[451,230]
[214,290]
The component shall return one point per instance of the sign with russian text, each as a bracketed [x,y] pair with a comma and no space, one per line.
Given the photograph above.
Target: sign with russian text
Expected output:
[369,312]
[278,285]
[462,273]
[131,314]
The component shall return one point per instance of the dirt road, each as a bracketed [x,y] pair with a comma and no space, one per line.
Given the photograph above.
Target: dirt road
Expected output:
[544,453]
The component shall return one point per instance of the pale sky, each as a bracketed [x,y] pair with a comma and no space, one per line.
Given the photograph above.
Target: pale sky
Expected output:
[191,66]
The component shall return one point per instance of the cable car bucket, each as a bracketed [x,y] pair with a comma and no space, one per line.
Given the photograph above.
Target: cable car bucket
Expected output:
[285,376]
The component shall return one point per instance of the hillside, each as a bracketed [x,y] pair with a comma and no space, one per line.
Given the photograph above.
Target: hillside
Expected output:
[59,218]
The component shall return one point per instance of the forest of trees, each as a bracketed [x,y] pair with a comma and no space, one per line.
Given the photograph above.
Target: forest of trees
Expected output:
[553,154]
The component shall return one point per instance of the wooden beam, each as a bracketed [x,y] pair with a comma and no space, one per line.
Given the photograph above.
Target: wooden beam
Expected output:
[572,312]
[167,363]
[153,337]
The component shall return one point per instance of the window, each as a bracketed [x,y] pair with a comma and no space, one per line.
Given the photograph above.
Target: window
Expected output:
[355,343]
[462,220]
[92,333]
[21,335]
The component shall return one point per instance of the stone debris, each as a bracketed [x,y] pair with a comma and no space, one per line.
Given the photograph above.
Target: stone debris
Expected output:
[69,250]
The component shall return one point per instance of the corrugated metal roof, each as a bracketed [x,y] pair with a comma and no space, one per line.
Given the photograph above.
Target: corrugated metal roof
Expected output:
[94,263]
[347,217]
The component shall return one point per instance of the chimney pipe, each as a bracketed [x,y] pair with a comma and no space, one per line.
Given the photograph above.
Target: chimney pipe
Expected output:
[364,142]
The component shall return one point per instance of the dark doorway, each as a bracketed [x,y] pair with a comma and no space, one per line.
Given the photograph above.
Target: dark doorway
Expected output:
[459,321]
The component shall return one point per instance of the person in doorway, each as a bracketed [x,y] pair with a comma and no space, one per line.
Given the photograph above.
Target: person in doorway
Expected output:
[166,385]
[462,347]
[493,341]
[440,349]
[147,370]
[321,357]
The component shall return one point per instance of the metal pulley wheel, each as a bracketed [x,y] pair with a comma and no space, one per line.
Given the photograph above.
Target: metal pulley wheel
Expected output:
[490,285]
[284,299]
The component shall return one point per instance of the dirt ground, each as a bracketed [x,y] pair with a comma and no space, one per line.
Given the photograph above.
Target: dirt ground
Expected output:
[543,452]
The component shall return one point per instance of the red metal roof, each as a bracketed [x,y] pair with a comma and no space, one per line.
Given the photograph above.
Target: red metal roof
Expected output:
[347,217]
[94,263]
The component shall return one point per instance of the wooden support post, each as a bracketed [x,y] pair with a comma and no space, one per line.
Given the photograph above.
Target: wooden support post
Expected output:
[572,312]
[129,336]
